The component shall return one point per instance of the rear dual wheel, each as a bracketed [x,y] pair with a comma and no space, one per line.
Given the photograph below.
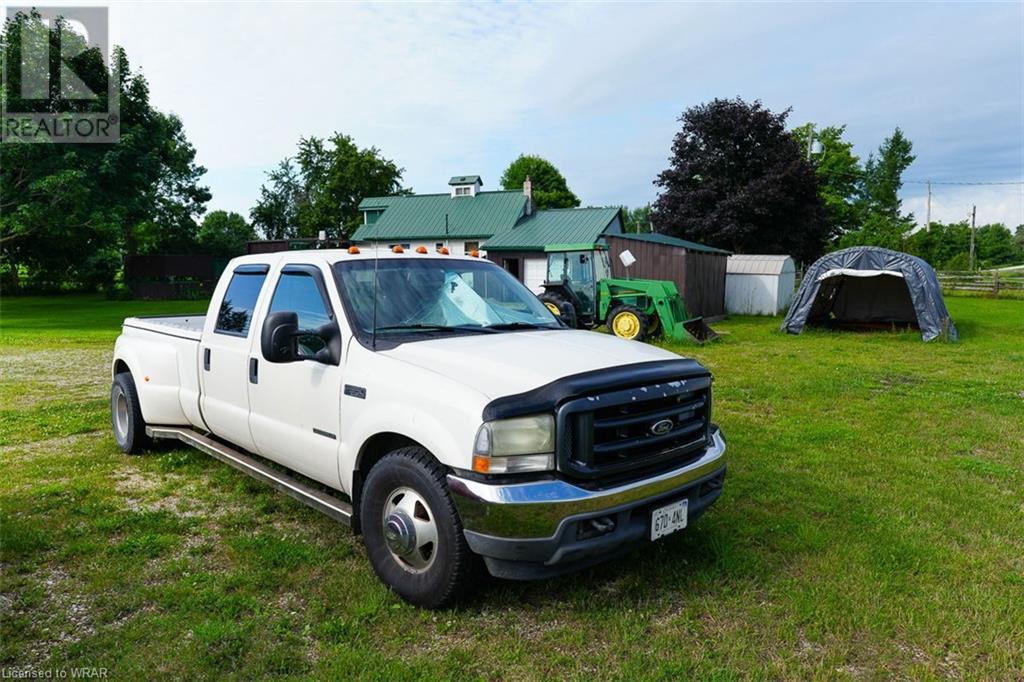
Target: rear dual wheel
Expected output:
[126,415]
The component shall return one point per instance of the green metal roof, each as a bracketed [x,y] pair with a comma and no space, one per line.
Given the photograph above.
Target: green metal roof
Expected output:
[554,226]
[465,180]
[371,203]
[671,241]
[422,216]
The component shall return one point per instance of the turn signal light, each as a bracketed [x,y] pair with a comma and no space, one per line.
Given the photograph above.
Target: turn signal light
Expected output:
[443,251]
[481,465]
[353,249]
[397,248]
[421,249]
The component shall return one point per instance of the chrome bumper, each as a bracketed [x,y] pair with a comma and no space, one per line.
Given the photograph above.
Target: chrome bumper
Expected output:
[538,509]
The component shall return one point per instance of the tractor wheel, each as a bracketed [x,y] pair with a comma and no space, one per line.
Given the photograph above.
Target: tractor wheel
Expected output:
[559,307]
[627,322]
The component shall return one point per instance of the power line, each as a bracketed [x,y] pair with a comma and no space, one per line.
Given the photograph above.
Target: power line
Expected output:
[937,182]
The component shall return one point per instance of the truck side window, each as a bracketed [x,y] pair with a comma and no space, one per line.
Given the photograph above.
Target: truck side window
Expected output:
[299,292]
[239,301]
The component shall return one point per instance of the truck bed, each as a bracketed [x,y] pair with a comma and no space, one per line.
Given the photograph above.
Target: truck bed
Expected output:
[184,326]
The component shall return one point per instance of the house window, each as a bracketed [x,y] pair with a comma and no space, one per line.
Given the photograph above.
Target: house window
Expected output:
[463,191]
[438,246]
[471,247]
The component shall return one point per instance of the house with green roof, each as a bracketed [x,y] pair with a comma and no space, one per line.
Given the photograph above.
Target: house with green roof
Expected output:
[503,225]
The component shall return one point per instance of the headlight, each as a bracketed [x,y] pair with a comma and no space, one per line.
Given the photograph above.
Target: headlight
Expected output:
[511,446]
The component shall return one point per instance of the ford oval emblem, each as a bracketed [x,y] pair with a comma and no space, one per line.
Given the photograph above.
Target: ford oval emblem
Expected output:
[662,427]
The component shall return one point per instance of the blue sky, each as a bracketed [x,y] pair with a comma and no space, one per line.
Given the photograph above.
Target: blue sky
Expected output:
[446,88]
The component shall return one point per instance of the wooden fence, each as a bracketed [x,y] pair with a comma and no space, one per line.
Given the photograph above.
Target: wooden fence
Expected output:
[992,282]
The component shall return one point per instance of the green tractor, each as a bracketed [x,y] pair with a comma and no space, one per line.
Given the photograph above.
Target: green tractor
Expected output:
[581,291]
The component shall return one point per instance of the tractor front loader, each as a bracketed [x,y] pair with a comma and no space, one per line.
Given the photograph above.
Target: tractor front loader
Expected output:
[582,293]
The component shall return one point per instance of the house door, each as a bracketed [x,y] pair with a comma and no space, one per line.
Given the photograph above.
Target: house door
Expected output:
[513,267]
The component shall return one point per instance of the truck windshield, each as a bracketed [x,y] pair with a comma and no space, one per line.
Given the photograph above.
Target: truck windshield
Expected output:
[438,295]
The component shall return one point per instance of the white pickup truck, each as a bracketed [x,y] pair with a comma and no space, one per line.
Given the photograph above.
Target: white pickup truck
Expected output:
[435,405]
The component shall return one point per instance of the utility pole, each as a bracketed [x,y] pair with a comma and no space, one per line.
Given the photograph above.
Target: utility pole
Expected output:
[973,211]
[810,139]
[928,213]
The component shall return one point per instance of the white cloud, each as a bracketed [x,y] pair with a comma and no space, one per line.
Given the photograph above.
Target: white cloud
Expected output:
[446,88]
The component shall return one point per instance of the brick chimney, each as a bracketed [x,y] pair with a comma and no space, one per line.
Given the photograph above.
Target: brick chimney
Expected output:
[528,192]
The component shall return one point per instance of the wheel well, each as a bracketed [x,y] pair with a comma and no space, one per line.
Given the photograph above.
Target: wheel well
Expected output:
[373,451]
[121,367]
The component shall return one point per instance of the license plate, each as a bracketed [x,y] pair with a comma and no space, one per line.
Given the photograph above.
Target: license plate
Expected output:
[668,519]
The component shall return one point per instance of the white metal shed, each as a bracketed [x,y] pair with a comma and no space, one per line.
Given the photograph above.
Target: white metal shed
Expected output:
[759,285]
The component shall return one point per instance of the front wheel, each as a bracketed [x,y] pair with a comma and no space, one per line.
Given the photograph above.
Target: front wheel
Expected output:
[627,322]
[412,530]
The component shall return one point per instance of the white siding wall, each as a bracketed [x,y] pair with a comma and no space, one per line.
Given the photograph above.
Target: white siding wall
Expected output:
[752,294]
[535,271]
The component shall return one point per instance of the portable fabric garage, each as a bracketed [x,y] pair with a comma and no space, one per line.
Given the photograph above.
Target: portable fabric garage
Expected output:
[871,285]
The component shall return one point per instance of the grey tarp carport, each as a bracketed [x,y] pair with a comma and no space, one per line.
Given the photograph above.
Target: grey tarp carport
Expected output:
[871,285]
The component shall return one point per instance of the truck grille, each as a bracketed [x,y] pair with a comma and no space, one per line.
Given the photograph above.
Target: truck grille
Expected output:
[634,431]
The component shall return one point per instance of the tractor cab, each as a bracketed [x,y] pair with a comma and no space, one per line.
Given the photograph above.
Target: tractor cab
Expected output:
[573,274]
[581,291]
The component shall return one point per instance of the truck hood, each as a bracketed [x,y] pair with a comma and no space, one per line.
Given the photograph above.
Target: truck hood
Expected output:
[498,365]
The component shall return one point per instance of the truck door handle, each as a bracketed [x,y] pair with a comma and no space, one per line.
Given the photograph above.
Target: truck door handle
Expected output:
[206,359]
[254,368]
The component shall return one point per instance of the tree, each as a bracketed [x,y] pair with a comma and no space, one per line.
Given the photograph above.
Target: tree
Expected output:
[550,189]
[324,190]
[739,180]
[883,175]
[224,233]
[69,213]
[839,177]
[276,212]
[879,204]
[636,219]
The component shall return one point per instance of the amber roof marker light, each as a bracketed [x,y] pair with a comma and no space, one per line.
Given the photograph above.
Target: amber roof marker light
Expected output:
[397,248]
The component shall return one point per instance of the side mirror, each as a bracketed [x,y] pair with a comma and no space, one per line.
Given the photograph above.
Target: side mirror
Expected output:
[330,333]
[277,339]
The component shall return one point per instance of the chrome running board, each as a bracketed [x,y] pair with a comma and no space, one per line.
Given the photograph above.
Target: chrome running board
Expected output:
[339,510]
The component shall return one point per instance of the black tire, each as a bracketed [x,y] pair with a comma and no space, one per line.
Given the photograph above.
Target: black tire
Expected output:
[452,564]
[126,415]
[628,322]
[565,310]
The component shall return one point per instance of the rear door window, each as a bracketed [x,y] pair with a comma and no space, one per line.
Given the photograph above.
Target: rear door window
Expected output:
[240,300]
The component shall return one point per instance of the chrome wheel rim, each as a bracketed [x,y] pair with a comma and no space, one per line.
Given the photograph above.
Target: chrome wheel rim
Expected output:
[410,530]
[120,414]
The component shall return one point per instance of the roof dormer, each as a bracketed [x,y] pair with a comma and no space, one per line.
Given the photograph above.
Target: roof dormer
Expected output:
[465,185]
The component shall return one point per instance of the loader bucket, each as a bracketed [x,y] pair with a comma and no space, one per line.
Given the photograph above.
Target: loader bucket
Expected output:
[699,330]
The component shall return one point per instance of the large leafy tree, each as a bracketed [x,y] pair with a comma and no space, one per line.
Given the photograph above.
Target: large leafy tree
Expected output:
[320,189]
[879,204]
[69,213]
[224,233]
[839,176]
[739,180]
[550,189]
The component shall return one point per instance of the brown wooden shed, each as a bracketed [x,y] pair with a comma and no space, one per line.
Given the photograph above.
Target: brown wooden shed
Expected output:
[697,270]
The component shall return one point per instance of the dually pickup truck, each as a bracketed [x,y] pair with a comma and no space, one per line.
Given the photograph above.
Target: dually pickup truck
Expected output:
[435,405]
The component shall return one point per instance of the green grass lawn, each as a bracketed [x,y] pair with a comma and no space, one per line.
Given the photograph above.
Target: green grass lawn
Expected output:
[872,526]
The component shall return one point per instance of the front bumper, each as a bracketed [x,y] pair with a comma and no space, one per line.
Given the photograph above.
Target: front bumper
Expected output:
[540,528]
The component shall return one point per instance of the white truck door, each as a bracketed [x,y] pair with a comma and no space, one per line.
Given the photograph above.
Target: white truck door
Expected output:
[224,356]
[295,406]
